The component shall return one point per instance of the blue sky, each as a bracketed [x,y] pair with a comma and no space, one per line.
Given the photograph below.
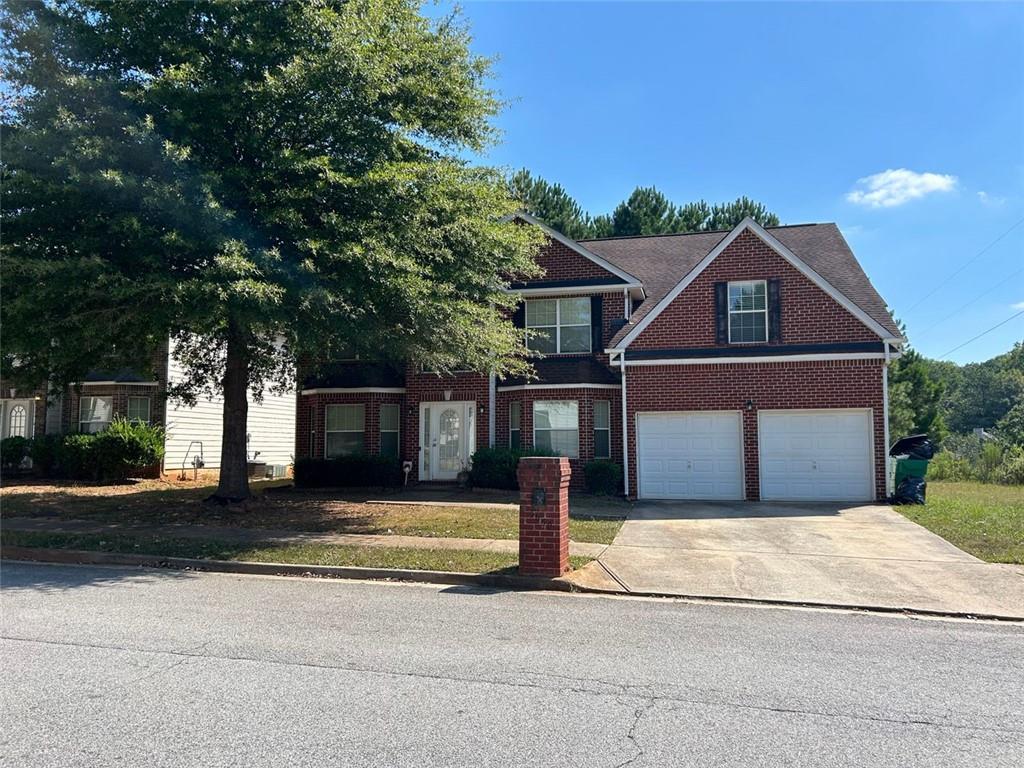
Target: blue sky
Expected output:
[793,104]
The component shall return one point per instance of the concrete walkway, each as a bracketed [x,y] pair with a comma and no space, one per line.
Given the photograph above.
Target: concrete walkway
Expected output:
[822,553]
[257,536]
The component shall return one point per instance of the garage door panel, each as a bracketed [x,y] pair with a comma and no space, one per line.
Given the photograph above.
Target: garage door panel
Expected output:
[816,455]
[689,455]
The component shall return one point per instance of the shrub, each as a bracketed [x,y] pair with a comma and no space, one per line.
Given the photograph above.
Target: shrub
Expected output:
[989,462]
[1011,471]
[496,467]
[603,477]
[76,457]
[13,451]
[948,466]
[126,448]
[44,453]
[359,470]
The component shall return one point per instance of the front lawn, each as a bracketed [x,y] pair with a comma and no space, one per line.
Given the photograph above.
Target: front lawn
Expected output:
[341,511]
[460,560]
[985,520]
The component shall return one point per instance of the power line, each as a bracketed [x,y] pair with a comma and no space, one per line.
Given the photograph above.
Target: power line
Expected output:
[982,295]
[997,325]
[966,264]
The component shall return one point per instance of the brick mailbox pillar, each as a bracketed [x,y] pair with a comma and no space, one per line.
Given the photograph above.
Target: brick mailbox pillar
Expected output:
[543,515]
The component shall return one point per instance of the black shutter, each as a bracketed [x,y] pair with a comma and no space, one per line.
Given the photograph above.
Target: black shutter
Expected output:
[774,311]
[721,313]
[519,316]
[596,337]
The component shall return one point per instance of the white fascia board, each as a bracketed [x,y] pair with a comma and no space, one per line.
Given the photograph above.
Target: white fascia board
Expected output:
[772,242]
[524,387]
[353,390]
[760,359]
[115,383]
[572,244]
[575,290]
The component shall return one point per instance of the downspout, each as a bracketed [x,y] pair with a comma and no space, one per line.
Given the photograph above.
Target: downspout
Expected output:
[492,388]
[625,429]
[885,418]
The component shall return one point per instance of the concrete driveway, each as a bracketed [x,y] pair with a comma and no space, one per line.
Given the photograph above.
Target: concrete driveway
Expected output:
[823,553]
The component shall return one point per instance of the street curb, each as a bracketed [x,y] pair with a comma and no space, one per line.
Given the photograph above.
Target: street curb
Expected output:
[83,557]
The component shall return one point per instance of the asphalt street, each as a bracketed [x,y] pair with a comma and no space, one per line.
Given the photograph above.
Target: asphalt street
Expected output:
[109,666]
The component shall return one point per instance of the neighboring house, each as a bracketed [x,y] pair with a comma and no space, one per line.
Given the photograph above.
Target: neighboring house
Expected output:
[748,364]
[90,406]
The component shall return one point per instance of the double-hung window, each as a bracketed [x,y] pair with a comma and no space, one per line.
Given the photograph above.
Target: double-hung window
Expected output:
[389,415]
[602,429]
[748,312]
[560,325]
[515,435]
[556,427]
[94,414]
[138,409]
[346,429]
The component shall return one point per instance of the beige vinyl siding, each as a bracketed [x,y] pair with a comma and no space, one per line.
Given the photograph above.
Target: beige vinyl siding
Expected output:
[271,427]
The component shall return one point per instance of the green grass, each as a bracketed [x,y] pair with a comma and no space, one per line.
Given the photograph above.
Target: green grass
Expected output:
[339,512]
[985,520]
[462,560]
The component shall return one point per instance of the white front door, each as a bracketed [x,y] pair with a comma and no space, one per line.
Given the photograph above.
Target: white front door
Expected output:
[816,455]
[447,439]
[693,455]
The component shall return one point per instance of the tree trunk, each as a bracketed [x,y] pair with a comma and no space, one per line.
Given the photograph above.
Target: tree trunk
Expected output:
[234,470]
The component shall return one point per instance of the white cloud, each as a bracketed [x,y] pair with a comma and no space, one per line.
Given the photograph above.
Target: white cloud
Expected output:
[897,186]
[1018,305]
[992,200]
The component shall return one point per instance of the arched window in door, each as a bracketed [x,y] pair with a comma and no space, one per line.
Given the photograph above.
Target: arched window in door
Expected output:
[17,421]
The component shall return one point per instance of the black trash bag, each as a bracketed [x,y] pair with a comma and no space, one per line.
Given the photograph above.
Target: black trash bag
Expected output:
[911,490]
[914,447]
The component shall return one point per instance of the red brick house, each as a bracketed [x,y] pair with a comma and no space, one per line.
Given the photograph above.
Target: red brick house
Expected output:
[748,364]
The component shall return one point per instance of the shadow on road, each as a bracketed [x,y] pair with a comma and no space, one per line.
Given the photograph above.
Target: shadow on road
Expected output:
[18,575]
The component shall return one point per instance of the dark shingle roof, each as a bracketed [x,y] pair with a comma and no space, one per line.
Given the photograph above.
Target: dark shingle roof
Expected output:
[661,261]
[566,370]
[355,374]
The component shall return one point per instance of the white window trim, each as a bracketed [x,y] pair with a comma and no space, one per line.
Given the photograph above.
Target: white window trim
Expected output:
[110,409]
[607,429]
[558,327]
[518,429]
[149,407]
[535,430]
[731,311]
[344,431]
[381,431]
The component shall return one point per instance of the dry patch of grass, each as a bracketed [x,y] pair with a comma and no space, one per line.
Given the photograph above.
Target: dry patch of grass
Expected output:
[460,560]
[985,520]
[156,502]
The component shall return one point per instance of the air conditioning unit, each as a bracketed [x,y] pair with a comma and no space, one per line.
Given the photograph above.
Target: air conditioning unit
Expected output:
[277,471]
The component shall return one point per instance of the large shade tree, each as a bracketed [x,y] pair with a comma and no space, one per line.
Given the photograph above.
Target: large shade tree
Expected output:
[262,181]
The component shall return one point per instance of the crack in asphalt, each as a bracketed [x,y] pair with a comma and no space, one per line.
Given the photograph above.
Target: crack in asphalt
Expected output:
[638,714]
[623,689]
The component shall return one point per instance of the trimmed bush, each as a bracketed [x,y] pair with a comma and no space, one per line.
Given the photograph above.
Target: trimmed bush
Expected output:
[76,457]
[603,477]
[44,453]
[359,470]
[127,448]
[496,467]
[13,451]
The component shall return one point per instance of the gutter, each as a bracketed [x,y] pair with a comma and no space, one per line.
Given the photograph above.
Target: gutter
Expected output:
[625,428]
[889,490]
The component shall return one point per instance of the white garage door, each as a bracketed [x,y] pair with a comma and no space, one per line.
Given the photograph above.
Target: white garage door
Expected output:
[689,455]
[815,455]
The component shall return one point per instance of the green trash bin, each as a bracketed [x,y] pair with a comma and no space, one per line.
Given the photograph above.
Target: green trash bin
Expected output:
[910,468]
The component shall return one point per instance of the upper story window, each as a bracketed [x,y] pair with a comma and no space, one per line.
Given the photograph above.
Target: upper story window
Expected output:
[561,325]
[748,312]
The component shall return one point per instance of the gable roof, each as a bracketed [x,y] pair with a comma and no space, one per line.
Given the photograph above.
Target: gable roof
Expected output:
[620,272]
[667,263]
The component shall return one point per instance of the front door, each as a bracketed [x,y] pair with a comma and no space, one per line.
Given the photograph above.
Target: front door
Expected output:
[447,439]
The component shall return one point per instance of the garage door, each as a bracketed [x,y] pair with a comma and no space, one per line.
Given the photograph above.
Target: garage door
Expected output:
[816,455]
[689,455]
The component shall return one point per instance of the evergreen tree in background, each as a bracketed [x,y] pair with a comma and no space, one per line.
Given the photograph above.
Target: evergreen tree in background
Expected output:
[647,211]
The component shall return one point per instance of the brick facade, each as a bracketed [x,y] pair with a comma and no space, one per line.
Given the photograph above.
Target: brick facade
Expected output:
[560,262]
[543,516]
[809,315]
[782,385]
